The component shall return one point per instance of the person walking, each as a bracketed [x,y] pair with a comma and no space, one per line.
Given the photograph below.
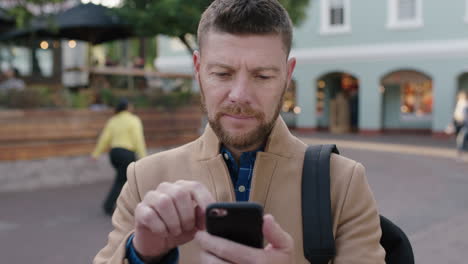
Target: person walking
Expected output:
[12,81]
[123,134]
[461,119]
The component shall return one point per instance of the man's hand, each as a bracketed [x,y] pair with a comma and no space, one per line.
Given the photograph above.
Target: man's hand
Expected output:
[169,216]
[219,250]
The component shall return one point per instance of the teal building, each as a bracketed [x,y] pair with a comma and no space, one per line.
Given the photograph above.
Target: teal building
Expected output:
[370,66]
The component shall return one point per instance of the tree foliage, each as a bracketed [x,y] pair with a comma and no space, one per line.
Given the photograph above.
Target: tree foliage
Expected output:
[178,18]
[24,10]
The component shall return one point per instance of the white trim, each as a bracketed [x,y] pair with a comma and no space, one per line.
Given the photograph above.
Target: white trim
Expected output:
[389,51]
[392,16]
[466,12]
[325,27]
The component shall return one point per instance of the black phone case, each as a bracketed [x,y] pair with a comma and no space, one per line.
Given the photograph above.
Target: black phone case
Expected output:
[242,224]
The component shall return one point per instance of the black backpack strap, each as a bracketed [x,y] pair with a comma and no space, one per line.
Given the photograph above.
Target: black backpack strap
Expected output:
[319,243]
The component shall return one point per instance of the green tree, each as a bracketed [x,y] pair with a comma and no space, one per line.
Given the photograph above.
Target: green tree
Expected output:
[179,18]
[24,10]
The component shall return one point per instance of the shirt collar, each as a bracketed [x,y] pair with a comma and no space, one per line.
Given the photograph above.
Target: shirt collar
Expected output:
[248,156]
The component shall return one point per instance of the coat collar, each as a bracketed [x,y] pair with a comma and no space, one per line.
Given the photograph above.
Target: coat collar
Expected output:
[280,142]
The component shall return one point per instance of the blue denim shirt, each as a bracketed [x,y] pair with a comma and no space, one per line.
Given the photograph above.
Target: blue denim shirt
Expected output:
[241,176]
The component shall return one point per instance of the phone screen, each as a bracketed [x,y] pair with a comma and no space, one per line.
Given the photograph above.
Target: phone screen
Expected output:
[240,222]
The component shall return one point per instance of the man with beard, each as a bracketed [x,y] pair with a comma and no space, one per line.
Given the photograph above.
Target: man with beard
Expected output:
[245,154]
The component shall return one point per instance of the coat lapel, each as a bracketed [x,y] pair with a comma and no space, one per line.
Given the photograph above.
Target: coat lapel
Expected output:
[214,166]
[220,179]
[265,166]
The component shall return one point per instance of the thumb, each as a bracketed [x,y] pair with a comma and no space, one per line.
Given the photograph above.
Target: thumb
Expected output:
[275,235]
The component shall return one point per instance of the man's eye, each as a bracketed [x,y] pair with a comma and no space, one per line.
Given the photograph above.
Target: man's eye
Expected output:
[263,77]
[222,74]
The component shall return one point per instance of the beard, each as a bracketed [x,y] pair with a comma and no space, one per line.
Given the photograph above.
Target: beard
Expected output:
[254,137]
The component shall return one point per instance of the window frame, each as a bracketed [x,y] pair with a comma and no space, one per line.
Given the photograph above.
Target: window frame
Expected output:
[393,22]
[326,28]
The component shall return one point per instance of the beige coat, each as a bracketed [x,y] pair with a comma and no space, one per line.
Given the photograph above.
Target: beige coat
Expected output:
[276,184]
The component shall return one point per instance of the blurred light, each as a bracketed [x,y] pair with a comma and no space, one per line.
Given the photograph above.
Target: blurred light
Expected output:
[111,3]
[44,45]
[321,84]
[72,44]
[56,44]
[85,1]
[382,89]
[321,95]
[297,110]
[96,2]
[404,109]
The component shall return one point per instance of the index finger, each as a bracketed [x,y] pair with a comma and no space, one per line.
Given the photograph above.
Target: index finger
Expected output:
[199,193]
[202,198]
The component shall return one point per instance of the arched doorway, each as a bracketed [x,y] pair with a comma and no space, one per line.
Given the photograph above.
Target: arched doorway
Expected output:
[338,102]
[289,109]
[407,101]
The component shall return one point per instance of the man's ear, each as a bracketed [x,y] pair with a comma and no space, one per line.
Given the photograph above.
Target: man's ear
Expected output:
[291,66]
[196,64]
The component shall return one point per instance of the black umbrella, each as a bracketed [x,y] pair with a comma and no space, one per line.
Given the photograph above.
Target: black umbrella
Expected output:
[88,22]
[6,21]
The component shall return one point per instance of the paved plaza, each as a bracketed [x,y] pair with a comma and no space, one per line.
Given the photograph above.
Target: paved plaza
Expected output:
[416,181]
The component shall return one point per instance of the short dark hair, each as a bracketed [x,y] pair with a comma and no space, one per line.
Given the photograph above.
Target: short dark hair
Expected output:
[261,17]
[122,105]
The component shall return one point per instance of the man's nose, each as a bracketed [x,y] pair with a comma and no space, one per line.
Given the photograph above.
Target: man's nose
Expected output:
[241,90]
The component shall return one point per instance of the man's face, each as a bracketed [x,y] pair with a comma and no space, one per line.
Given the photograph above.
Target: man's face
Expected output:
[242,79]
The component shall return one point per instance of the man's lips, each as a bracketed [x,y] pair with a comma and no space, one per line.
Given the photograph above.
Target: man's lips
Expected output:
[238,116]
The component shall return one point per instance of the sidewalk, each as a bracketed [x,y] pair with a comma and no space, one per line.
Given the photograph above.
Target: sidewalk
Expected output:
[423,145]
[27,175]
[69,171]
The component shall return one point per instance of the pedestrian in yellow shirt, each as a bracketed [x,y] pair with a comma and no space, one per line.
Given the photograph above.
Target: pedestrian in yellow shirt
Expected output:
[123,135]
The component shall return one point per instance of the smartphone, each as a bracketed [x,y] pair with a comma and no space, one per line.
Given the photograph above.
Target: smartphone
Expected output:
[241,222]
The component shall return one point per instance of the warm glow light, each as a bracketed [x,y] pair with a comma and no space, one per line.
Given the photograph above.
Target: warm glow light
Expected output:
[72,44]
[321,95]
[44,45]
[321,84]
[297,110]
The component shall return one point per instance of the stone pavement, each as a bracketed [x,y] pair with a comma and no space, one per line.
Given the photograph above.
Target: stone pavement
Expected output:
[416,182]
[25,175]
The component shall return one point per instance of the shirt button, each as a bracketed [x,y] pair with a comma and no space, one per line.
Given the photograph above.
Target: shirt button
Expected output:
[241,188]
[226,156]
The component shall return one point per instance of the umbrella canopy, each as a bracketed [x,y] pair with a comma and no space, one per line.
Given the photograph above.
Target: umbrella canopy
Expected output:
[88,22]
[6,21]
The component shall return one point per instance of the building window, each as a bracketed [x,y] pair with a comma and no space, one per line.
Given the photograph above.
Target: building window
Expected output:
[416,100]
[403,14]
[335,16]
